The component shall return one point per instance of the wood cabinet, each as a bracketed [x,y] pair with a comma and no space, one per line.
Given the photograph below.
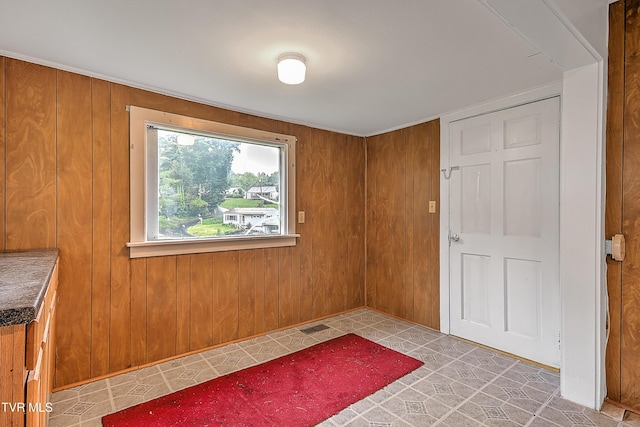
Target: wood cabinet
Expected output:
[26,365]
[13,374]
[40,356]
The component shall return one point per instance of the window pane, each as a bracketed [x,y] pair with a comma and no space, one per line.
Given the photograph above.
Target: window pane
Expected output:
[212,187]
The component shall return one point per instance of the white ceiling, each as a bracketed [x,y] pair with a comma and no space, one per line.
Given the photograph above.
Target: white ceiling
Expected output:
[373,65]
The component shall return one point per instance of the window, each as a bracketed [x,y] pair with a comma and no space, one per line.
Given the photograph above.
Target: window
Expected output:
[202,186]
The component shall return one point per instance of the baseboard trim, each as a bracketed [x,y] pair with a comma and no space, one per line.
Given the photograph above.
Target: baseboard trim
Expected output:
[178,356]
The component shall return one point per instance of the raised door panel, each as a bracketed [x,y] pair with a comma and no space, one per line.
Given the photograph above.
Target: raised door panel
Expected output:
[523,292]
[475,139]
[523,198]
[476,301]
[523,131]
[475,193]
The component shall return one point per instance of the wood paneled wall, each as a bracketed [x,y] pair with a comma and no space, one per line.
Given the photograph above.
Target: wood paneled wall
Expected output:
[623,202]
[402,236]
[64,166]
[64,182]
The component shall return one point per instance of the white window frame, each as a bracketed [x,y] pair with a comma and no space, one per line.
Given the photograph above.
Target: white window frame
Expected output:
[140,246]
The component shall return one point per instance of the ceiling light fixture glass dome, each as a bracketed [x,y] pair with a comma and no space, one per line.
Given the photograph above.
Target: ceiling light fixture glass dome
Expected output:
[291,68]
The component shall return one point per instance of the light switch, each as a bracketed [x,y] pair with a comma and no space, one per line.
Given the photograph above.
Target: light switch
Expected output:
[301,217]
[432,206]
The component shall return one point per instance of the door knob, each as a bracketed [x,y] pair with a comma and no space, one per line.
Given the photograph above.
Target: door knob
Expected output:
[454,237]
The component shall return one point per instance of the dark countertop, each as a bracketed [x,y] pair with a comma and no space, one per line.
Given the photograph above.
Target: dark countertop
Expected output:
[24,277]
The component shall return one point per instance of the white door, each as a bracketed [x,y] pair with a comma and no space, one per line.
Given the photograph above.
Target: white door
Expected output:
[504,222]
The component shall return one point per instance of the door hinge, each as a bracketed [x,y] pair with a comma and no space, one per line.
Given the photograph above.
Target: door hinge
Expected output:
[558,340]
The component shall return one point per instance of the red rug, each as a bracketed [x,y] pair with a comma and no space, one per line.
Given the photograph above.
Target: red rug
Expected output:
[299,389]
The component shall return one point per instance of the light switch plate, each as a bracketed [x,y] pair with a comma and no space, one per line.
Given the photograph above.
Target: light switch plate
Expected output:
[432,206]
[301,217]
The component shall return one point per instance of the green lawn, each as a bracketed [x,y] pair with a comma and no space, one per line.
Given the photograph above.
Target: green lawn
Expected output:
[211,227]
[214,226]
[245,203]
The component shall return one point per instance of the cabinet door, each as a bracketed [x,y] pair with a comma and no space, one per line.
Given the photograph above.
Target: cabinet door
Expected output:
[12,372]
[40,380]
[34,395]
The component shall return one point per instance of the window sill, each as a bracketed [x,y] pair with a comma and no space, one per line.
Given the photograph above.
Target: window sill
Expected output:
[182,247]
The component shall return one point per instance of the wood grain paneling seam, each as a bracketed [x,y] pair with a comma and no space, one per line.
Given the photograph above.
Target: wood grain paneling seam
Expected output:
[74,227]
[366,219]
[101,204]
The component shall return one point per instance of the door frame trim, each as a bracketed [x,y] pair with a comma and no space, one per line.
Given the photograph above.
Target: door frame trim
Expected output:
[533,95]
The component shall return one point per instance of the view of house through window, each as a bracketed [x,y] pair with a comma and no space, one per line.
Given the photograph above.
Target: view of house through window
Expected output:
[209,186]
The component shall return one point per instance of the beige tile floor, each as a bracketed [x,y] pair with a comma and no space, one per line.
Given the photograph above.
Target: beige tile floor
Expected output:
[458,385]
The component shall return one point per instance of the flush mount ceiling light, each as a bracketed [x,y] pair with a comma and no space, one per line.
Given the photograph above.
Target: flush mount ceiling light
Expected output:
[291,68]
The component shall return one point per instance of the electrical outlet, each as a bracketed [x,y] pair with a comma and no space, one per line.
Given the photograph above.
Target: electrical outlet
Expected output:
[301,217]
[432,206]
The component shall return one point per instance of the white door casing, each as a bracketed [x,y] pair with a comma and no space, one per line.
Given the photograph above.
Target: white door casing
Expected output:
[504,214]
